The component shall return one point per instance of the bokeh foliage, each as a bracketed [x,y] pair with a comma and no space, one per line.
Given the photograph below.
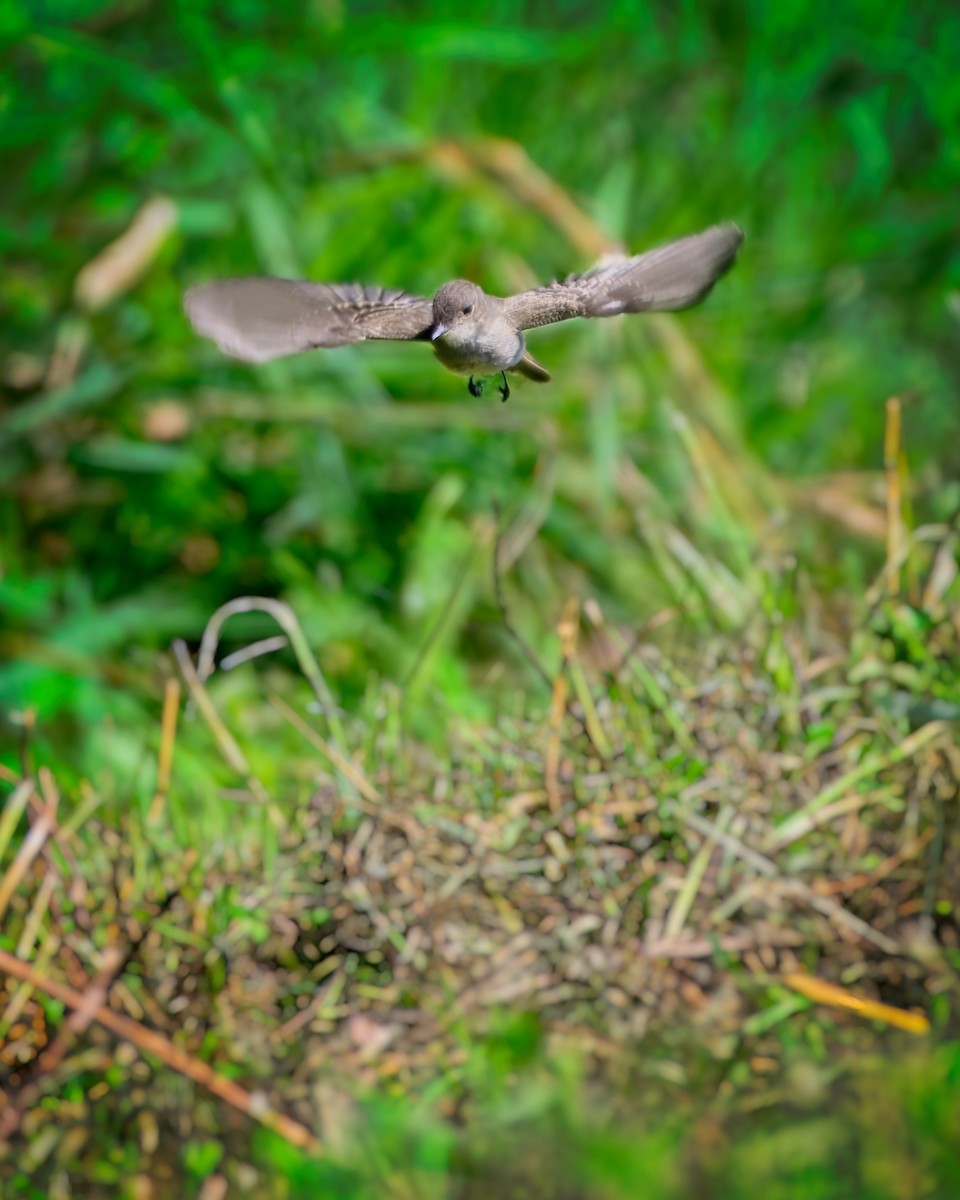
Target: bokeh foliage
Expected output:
[309,140]
[725,463]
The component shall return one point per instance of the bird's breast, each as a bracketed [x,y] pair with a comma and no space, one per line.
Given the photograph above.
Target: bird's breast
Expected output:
[479,352]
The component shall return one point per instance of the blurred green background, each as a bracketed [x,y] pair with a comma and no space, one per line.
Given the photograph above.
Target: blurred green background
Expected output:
[719,463]
[145,479]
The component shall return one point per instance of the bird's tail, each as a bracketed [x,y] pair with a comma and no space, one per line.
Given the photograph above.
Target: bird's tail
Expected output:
[529,367]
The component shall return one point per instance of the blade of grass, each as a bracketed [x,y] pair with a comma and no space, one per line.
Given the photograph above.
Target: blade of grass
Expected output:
[694,877]
[798,823]
[168,730]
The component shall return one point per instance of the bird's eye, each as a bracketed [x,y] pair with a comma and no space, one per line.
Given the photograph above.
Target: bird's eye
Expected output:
[467,310]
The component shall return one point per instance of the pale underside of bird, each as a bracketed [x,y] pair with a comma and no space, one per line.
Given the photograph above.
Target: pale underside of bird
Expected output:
[259,318]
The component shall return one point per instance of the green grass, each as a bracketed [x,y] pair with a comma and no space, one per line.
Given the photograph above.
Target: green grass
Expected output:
[482,971]
[701,498]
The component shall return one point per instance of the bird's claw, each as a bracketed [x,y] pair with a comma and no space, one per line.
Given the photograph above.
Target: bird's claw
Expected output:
[475,386]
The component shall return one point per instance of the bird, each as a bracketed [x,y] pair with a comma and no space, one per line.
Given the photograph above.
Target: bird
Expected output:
[473,333]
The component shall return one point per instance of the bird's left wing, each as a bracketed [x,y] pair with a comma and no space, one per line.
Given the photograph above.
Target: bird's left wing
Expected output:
[259,317]
[670,277]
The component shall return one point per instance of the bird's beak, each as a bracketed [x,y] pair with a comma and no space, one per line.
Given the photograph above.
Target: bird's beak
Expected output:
[437,332]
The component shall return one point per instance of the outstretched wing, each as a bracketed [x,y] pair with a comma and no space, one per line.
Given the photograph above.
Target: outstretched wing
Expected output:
[259,318]
[672,277]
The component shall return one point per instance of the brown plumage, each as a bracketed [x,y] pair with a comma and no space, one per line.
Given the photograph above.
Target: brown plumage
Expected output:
[475,334]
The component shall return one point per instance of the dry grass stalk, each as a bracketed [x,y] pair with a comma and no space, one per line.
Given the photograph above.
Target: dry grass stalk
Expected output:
[148,1041]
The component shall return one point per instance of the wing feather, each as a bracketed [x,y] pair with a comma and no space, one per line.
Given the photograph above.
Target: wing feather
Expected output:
[671,277]
[259,317]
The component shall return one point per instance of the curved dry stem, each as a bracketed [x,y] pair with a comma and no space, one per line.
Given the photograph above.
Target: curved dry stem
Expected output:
[285,617]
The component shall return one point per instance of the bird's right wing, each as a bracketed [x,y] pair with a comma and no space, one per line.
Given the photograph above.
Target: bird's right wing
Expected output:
[259,317]
[670,277]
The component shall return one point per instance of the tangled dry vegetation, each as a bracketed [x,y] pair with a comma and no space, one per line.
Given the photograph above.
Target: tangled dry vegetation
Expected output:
[690,860]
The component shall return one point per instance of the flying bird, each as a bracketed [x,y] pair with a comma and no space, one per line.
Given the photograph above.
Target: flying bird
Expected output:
[260,317]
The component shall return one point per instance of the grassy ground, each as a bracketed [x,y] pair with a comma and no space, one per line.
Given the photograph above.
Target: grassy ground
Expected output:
[543,942]
[567,807]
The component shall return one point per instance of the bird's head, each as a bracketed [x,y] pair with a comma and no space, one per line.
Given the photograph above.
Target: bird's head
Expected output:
[456,305]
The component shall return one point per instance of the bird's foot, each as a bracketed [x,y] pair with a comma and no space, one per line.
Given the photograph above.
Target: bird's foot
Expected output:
[504,388]
[475,387]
